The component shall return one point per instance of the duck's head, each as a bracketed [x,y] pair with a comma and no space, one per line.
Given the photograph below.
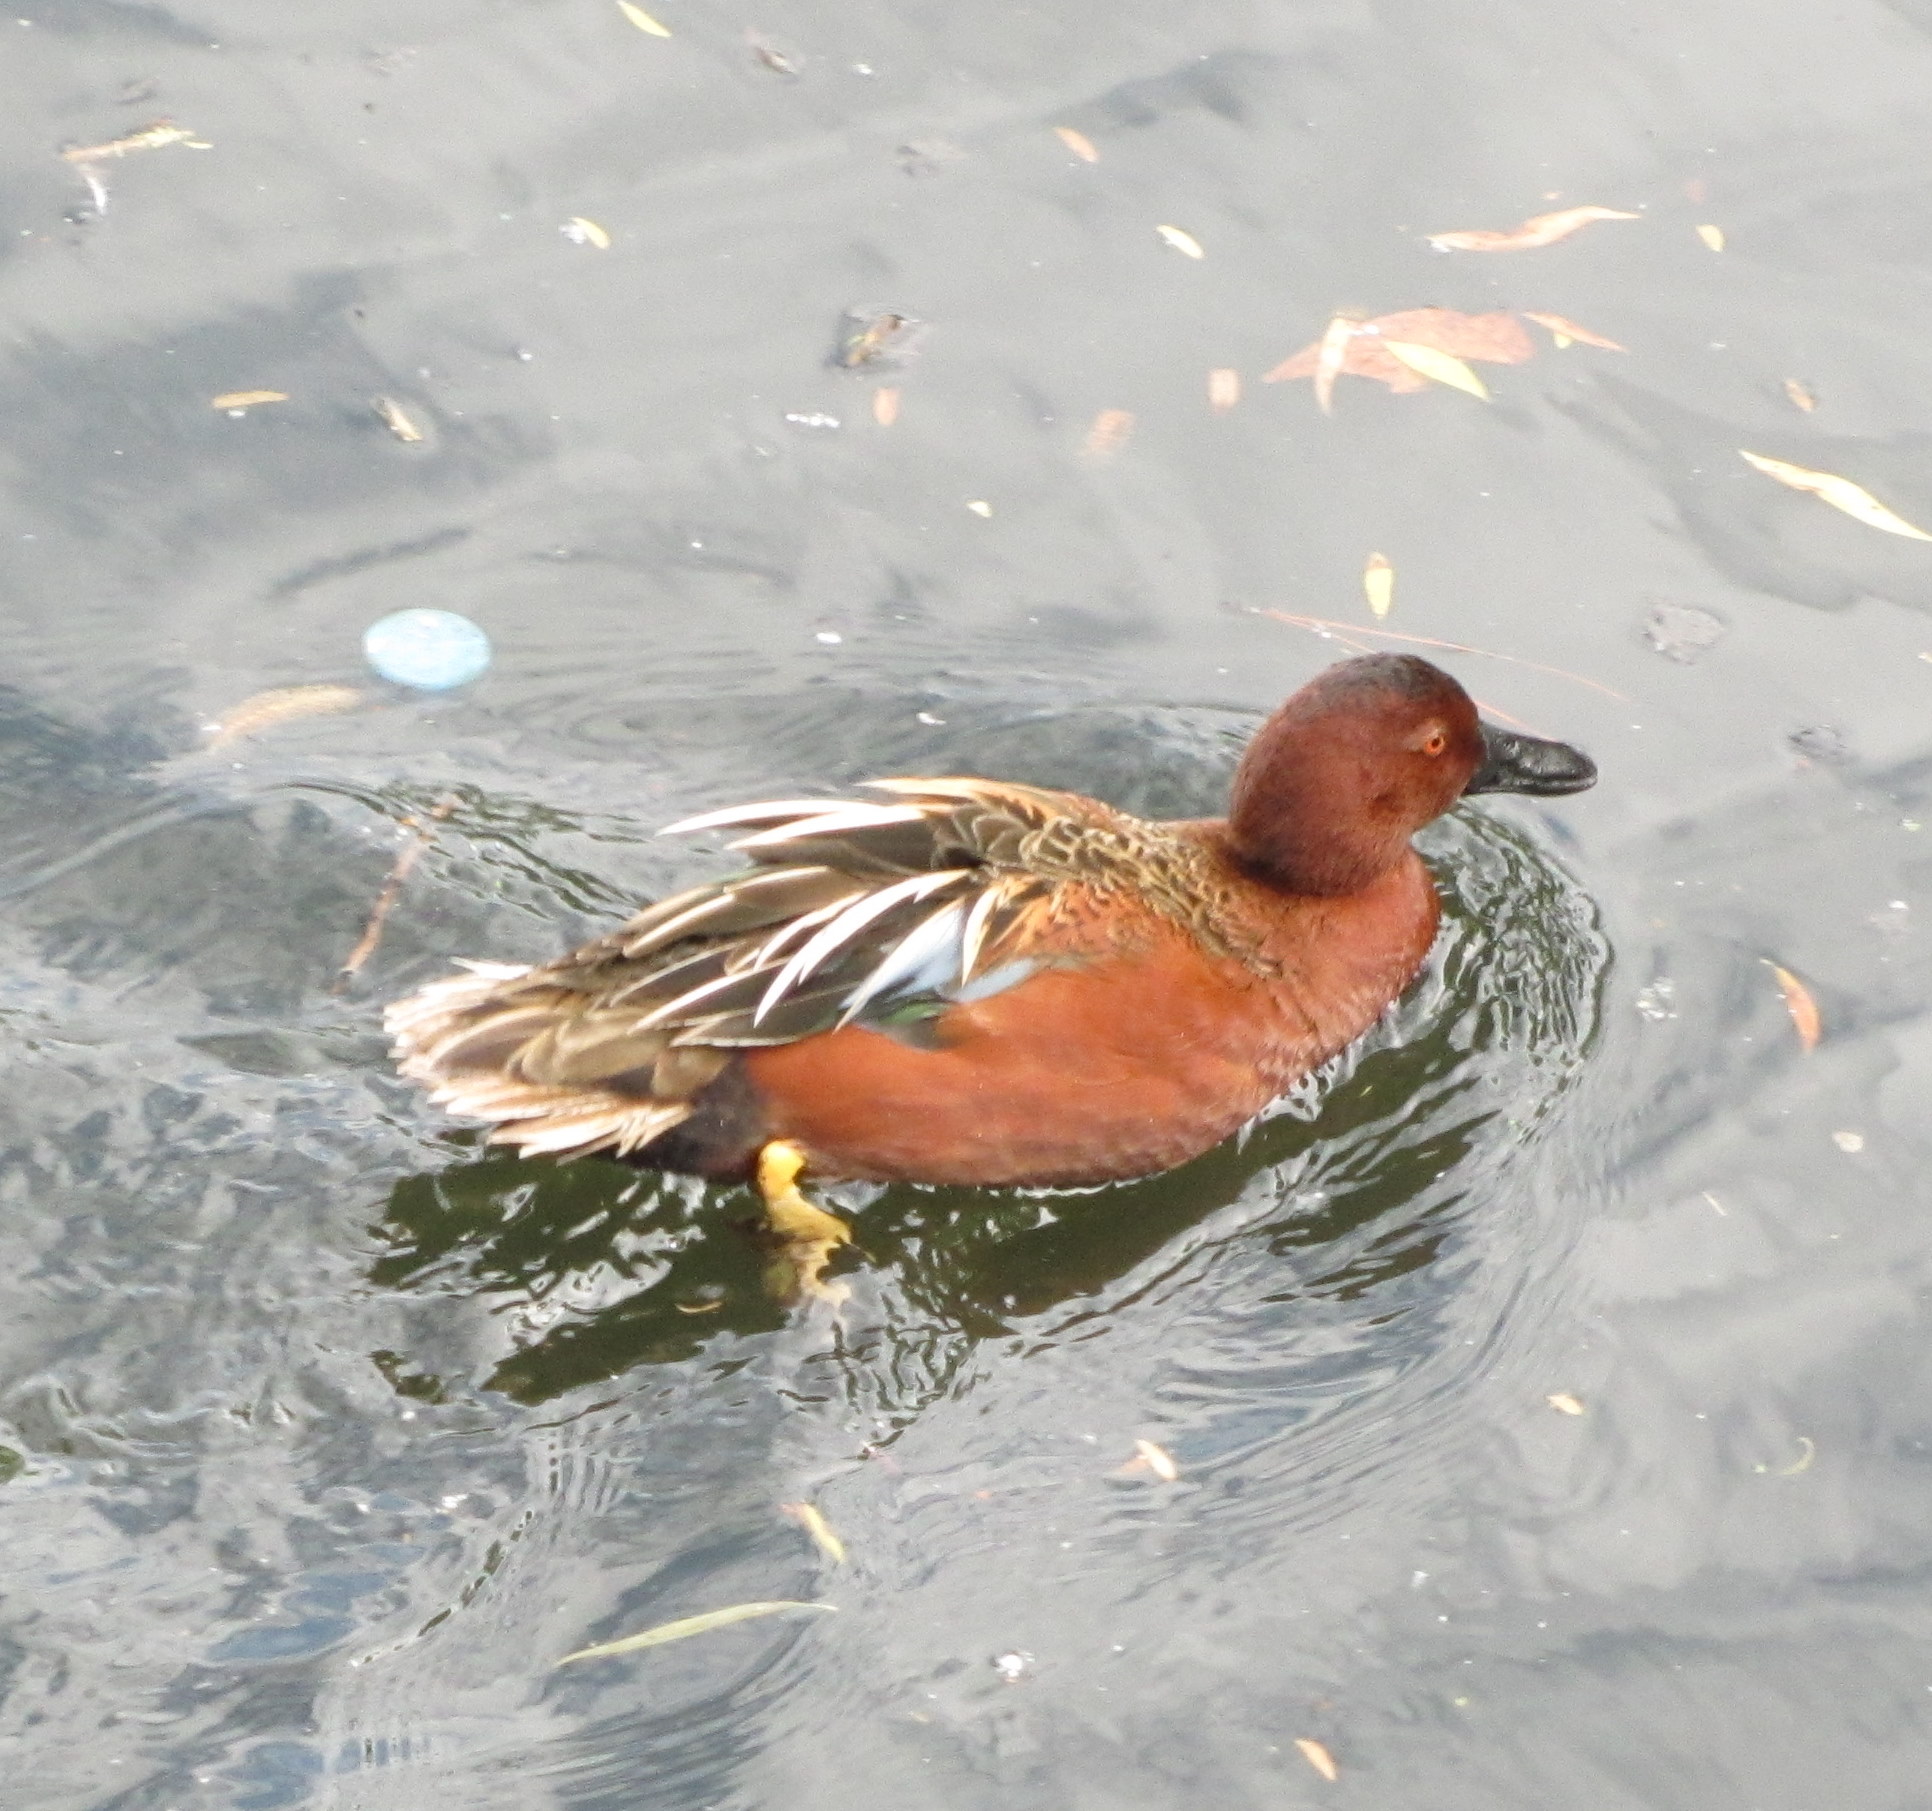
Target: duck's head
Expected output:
[1342,775]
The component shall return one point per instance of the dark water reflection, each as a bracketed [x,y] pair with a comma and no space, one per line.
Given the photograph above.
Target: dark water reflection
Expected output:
[323,1434]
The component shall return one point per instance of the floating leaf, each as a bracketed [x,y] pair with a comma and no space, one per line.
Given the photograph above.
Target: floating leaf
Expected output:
[1443,367]
[1109,432]
[281,705]
[1802,395]
[1078,143]
[1378,584]
[1713,236]
[880,338]
[1158,1460]
[1544,229]
[1183,242]
[1564,1404]
[1841,493]
[1799,1003]
[1851,1143]
[885,405]
[1318,1758]
[395,418]
[770,55]
[150,138]
[981,508]
[807,1517]
[642,20]
[1330,357]
[1224,389]
[690,1625]
[1566,333]
[580,231]
[246,399]
[1360,348]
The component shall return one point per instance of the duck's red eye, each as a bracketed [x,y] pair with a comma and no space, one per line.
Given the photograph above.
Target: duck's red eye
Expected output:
[1436,743]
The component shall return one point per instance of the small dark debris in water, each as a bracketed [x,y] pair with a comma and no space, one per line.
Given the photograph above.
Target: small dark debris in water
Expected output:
[136,90]
[1821,744]
[1682,632]
[772,57]
[877,339]
[929,156]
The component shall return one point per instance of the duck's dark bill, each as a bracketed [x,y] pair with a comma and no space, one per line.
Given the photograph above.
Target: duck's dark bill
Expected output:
[1513,763]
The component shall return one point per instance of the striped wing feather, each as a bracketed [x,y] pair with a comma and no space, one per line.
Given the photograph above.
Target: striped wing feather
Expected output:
[879,912]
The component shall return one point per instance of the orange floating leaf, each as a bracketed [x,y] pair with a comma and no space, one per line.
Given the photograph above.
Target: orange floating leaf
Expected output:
[885,405]
[282,705]
[1078,143]
[1224,389]
[1358,348]
[1378,584]
[1799,1003]
[1802,395]
[1318,1758]
[1109,433]
[1544,229]
[1566,333]
[1713,236]
[1841,493]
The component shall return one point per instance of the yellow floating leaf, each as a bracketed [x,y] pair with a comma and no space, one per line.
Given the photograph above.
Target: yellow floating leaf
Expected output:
[1318,1758]
[580,231]
[885,405]
[1801,394]
[1841,493]
[281,705]
[1378,583]
[1713,236]
[1109,432]
[690,1625]
[150,138]
[395,419]
[1567,333]
[1183,242]
[1544,229]
[1330,357]
[1799,1003]
[806,1515]
[1564,1403]
[1078,143]
[642,20]
[1224,389]
[1158,1460]
[1426,361]
[246,399]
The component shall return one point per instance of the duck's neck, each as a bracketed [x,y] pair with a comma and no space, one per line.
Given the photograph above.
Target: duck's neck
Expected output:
[1311,815]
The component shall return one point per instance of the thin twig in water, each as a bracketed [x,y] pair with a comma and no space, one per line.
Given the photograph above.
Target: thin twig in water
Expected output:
[422,828]
[1334,631]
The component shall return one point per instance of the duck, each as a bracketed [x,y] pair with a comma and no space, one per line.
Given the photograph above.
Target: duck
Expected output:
[976,982]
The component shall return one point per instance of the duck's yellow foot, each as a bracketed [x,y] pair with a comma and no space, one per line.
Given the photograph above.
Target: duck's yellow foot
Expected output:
[806,1236]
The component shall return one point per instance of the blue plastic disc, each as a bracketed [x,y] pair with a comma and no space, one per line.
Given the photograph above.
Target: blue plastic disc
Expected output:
[432,650]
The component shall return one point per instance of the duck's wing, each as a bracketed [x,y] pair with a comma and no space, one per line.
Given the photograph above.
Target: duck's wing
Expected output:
[880,912]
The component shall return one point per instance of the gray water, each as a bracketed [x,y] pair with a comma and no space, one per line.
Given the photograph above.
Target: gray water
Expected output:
[323,1434]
